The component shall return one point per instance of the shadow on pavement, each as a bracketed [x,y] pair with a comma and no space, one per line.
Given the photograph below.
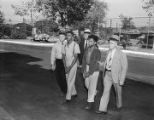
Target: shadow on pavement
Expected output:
[29,92]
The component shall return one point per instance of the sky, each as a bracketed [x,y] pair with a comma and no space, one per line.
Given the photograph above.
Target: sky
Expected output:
[130,8]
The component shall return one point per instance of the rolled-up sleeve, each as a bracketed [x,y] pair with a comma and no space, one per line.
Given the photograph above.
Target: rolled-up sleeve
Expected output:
[124,66]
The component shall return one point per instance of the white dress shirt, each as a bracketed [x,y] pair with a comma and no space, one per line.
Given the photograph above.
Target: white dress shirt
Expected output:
[69,51]
[56,52]
[109,59]
[85,43]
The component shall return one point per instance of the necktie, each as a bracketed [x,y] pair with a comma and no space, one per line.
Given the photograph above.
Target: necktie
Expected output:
[109,61]
[85,44]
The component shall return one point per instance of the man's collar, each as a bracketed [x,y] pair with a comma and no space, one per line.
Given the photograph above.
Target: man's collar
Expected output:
[69,42]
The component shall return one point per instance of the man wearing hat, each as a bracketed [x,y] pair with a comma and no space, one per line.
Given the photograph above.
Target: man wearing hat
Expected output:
[83,43]
[90,69]
[115,68]
[87,32]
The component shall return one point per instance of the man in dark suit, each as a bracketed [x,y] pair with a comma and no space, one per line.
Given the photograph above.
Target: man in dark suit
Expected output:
[90,69]
[83,42]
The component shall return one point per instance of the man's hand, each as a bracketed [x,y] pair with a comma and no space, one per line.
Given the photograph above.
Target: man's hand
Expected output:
[121,83]
[100,63]
[86,74]
[67,69]
[53,67]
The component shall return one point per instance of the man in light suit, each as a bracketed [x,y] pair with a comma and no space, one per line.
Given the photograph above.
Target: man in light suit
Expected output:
[115,68]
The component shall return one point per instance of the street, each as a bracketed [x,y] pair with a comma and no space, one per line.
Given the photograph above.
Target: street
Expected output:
[28,90]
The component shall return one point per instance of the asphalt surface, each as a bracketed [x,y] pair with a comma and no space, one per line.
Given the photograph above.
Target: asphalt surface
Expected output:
[28,90]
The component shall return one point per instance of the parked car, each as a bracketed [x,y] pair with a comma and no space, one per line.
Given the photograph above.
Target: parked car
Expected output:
[41,38]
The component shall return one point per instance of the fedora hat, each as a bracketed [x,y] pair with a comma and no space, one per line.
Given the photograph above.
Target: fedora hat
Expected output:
[94,37]
[114,38]
[87,31]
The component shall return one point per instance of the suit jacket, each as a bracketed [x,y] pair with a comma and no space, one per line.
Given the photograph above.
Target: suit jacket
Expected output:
[119,67]
[81,44]
[94,58]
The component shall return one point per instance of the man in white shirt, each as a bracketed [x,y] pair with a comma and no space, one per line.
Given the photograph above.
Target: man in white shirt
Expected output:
[71,51]
[115,68]
[57,64]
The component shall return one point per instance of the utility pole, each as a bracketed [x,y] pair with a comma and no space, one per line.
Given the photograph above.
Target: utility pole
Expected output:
[31,11]
[148,28]
[110,23]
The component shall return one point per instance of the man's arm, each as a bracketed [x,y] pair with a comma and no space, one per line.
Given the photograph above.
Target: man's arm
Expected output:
[96,56]
[64,61]
[76,51]
[52,58]
[73,62]
[124,65]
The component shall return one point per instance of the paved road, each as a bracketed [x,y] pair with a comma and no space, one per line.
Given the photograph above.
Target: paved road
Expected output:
[140,65]
[28,91]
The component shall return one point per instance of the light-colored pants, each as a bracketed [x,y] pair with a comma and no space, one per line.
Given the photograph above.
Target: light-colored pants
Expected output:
[91,84]
[108,82]
[71,76]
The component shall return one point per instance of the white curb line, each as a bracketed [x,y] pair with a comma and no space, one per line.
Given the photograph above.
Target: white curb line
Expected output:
[31,43]
[131,52]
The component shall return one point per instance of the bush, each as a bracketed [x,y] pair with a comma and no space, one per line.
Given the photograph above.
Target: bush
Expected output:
[5,37]
[18,35]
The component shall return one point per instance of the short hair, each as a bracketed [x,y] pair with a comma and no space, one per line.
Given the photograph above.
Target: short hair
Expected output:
[70,31]
[56,30]
[94,37]
[114,38]
[81,29]
[62,33]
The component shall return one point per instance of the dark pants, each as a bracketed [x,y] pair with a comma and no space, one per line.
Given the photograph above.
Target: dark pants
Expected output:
[80,56]
[60,75]
[99,90]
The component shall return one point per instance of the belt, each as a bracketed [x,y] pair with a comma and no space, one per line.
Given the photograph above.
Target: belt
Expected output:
[107,70]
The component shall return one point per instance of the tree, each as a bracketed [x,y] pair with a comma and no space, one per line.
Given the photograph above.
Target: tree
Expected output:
[127,22]
[27,8]
[96,14]
[1,24]
[148,5]
[1,18]
[67,11]
[46,26]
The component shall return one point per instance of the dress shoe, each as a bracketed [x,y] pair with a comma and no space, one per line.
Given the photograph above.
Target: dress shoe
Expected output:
[75,96]
[89,106]
[101,112]
[68,101]
[119,109]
